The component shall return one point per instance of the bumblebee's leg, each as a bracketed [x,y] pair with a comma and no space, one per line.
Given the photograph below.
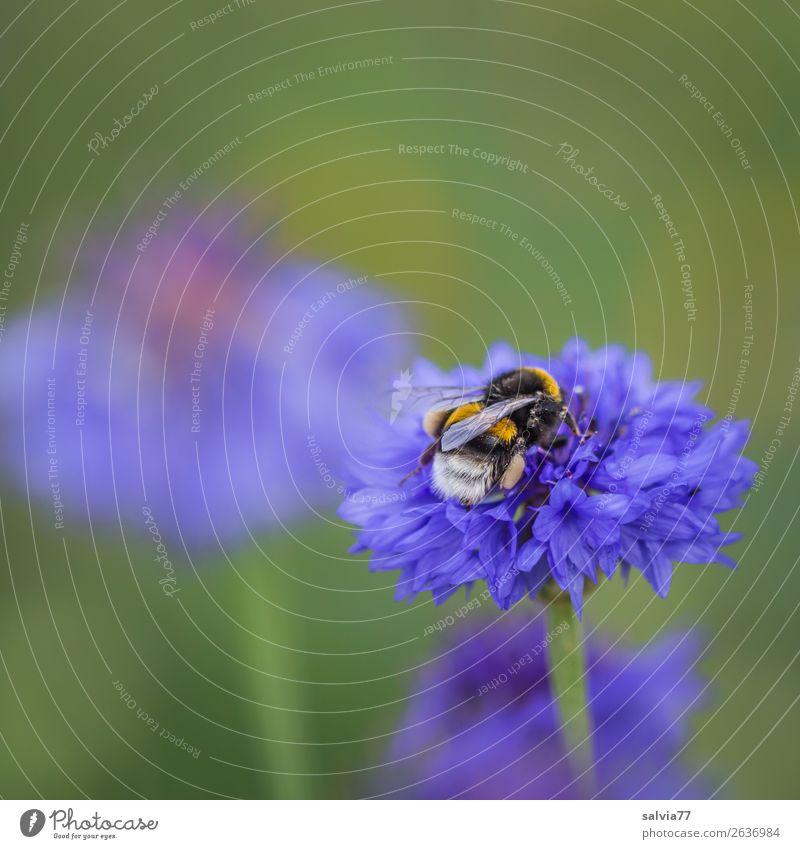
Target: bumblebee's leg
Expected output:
[513,472]
[515,468]
[569,421]
[424,459]
[558,442]
[429,453]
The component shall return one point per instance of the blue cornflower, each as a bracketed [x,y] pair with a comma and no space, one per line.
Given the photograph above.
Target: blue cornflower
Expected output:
[643,491]
[193,371]
[483,723]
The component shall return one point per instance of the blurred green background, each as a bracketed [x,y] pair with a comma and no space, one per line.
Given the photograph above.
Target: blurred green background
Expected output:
[297,641]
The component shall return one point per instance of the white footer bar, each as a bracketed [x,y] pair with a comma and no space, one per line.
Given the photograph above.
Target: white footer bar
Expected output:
[405,825]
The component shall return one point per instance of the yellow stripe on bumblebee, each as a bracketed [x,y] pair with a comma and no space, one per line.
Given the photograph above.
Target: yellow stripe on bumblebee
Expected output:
[505,430]
[549,383]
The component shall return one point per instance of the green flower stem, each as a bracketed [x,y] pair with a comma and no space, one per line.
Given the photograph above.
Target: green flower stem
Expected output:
[568,678]
[271,681]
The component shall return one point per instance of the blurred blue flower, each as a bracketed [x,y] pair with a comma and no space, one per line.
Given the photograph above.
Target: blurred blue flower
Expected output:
[191,371]
[644,491]
[483,722]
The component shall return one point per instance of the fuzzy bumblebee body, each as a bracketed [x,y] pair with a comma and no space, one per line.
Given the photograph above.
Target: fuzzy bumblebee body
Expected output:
[482,443]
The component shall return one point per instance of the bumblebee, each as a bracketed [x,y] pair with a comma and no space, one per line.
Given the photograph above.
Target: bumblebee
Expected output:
[481,437]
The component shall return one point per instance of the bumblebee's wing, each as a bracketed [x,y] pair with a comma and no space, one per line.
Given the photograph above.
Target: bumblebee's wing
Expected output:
[460,433]
[437,415]
[443,397]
